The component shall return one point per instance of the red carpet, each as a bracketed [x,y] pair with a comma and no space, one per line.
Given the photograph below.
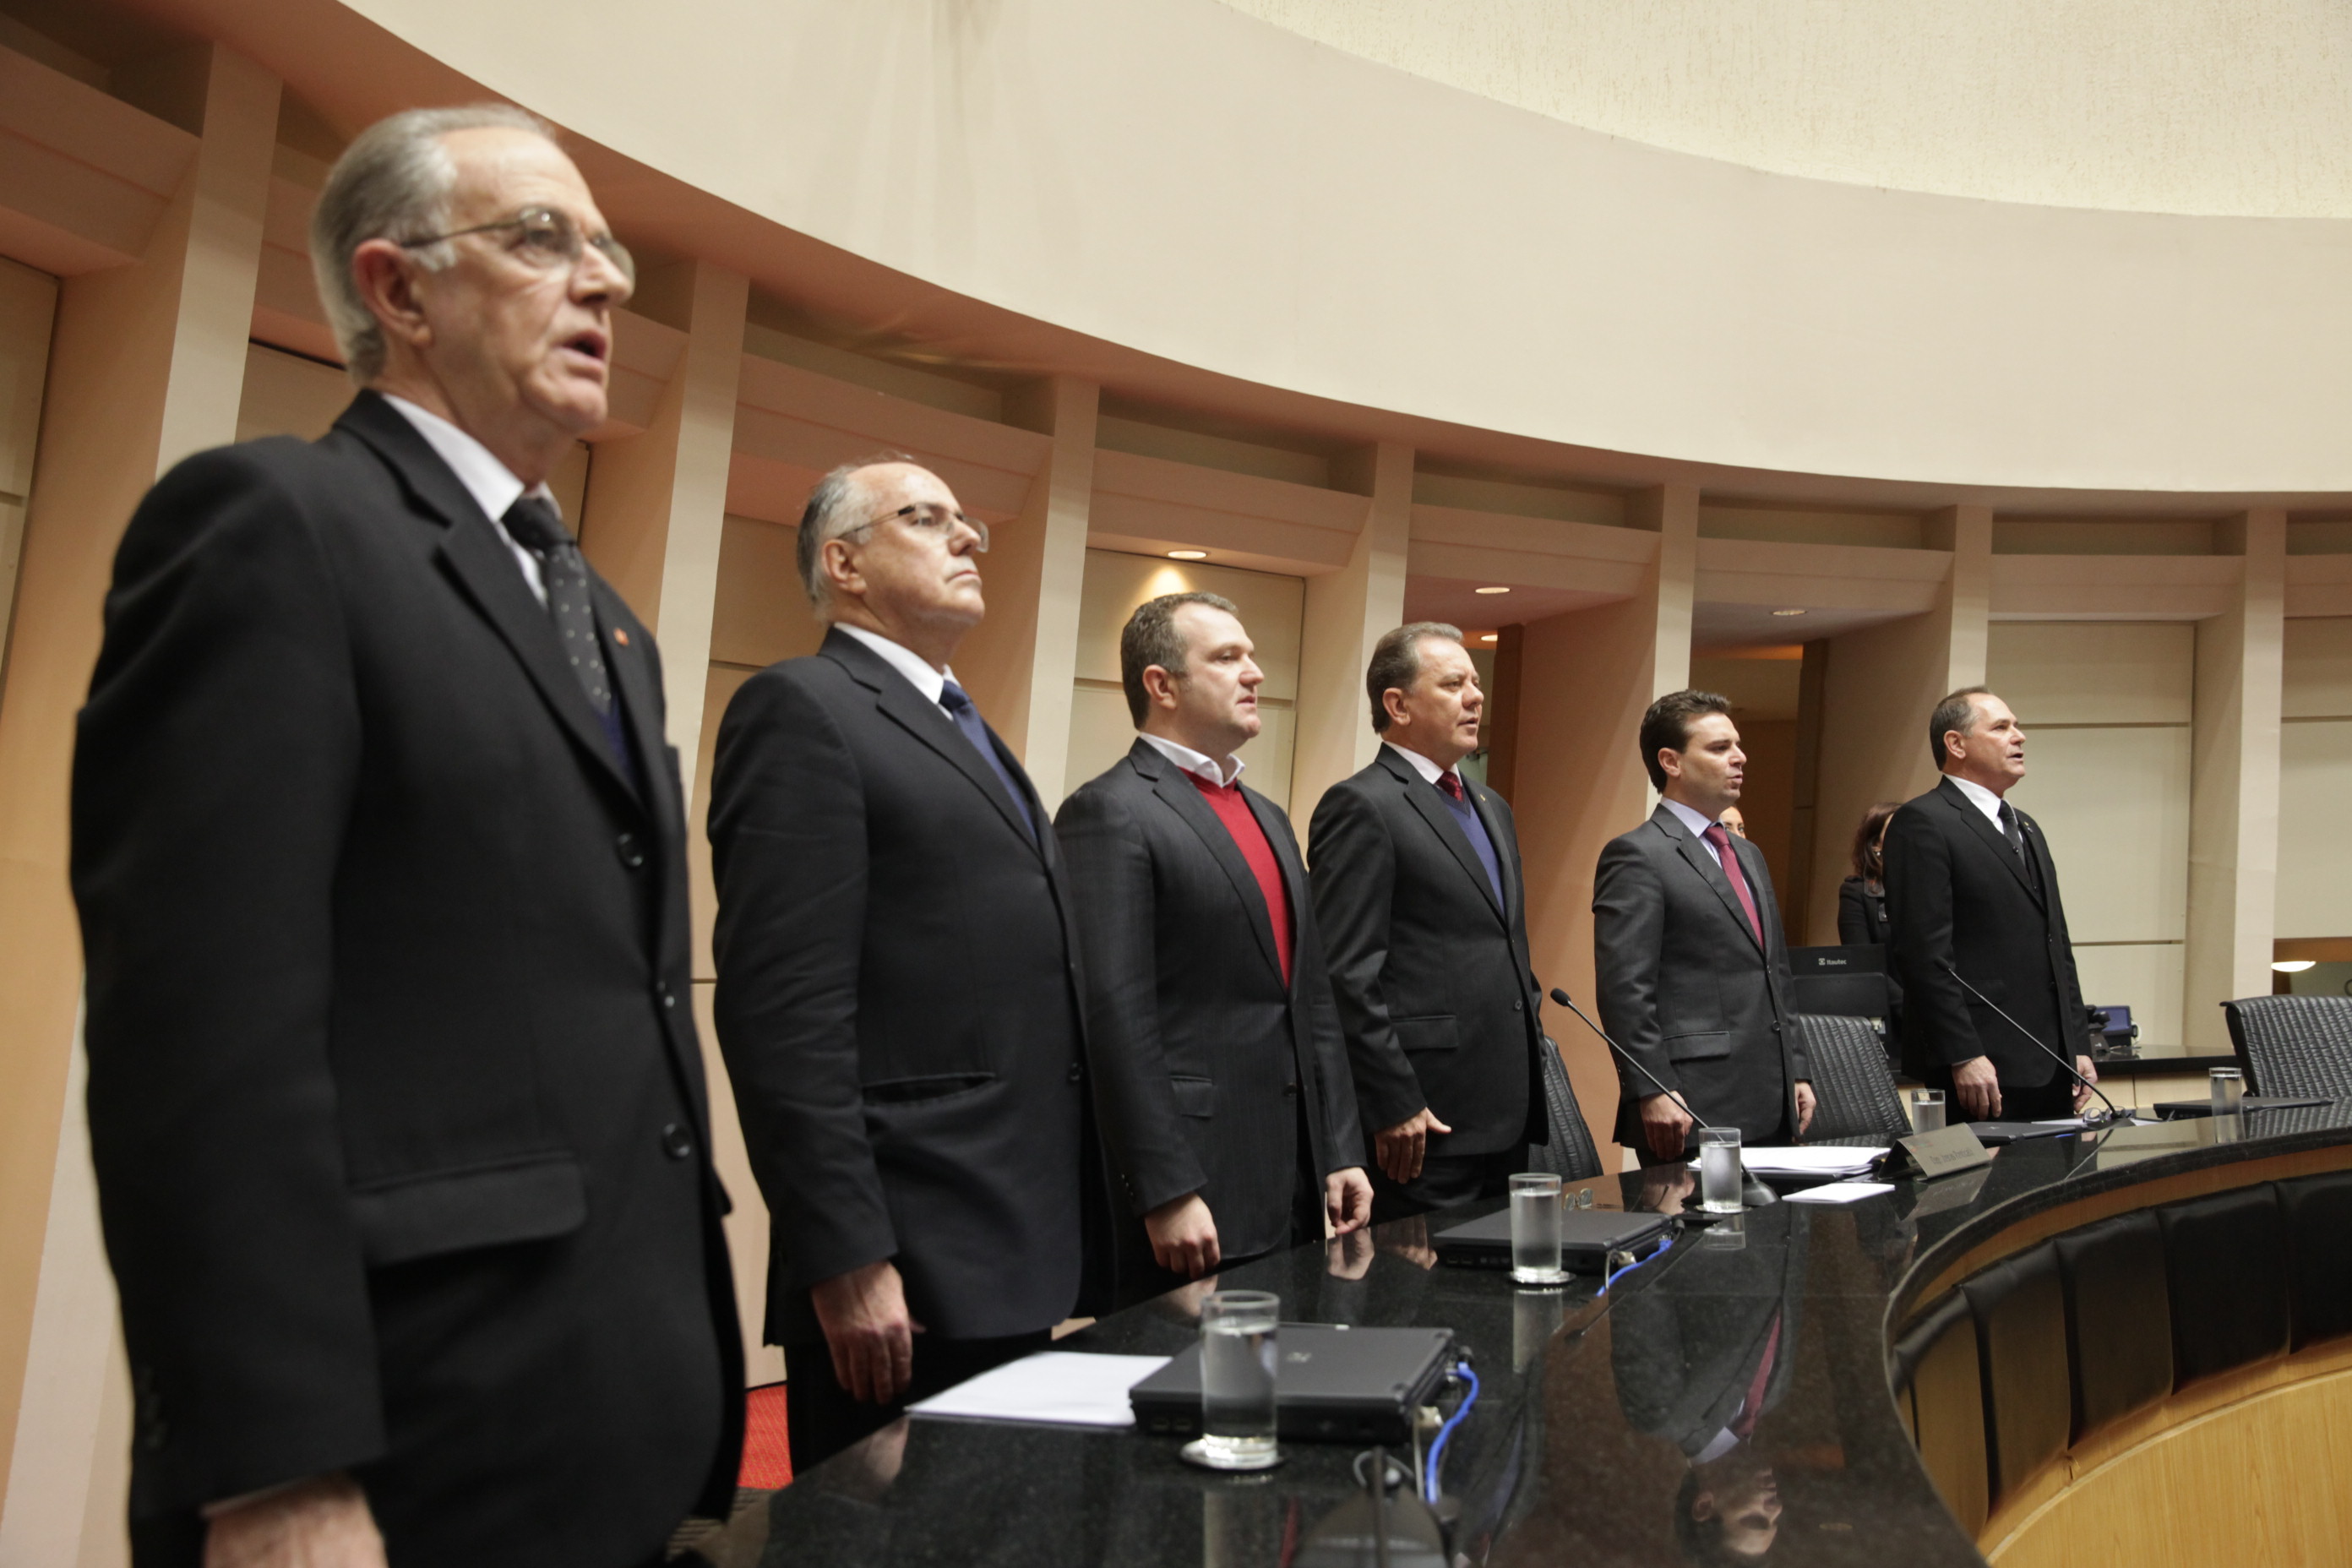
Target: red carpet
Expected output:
[767,1457]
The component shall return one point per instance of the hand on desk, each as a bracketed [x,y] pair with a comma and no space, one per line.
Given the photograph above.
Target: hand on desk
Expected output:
[1348,1200]
[1665,1126]
[2082,1091]
[1401,1149]
[1183,1237]
[322,1522]
[1978,1088]
[869,1329]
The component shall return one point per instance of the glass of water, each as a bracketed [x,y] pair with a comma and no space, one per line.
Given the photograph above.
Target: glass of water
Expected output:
[1927,1110]
[1718,1170]
[1534,1229]
[1237,1362]
[2229,1091]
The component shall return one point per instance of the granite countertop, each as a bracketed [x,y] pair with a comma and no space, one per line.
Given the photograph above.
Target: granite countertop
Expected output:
[1735,1386]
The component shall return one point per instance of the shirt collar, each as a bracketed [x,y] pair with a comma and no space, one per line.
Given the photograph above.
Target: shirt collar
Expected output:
[1199,763]
[490,482]
[906,661]
[1689,818]
[1983,799]
[1429,770]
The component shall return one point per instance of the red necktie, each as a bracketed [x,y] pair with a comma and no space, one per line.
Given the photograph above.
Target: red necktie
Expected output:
[1720,836]
[1450,783]
[1743,1425]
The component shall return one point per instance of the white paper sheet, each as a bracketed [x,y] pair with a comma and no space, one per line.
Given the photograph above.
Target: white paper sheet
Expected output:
[1825,1159]
[1069,1388]
[1839,1193]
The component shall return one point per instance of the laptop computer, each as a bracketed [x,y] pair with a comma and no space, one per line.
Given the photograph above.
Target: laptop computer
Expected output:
[1333,1383]
[1587,1238]
[2186,1109]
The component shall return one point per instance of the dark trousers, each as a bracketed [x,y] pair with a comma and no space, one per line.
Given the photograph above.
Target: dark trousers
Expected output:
[822,1419]
[1445,1180]
[2049,1101]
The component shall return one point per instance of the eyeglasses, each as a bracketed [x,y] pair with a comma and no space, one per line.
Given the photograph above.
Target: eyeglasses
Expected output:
[931,519]
[546,238]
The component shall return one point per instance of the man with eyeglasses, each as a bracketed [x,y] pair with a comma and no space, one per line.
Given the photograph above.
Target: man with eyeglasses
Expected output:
[395,1095]
[898,993]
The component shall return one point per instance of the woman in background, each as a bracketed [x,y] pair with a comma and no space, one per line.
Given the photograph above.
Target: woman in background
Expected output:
[1861,898]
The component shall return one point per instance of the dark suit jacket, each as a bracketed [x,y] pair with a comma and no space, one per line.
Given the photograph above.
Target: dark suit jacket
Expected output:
[1206,1056]
[1436,994]
[393,1088]
[1684,987]
[1959,894]
[897,1002]
[1862,914]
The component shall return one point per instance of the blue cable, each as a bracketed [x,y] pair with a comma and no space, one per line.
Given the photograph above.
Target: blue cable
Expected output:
[1437,1449]
[1662,1248]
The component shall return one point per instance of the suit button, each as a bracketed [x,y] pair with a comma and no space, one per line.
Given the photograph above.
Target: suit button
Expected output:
[632,853]
[663,992]
[675,1141]
[1518,1006]
[1077,1073]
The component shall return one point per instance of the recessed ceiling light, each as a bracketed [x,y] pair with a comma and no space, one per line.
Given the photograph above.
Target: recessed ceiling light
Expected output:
[1788,612]
[1188,556]
[1489,636]
[1490,590]
[2293,965]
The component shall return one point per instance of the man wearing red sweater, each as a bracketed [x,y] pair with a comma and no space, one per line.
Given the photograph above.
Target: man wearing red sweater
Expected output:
[1227,1108]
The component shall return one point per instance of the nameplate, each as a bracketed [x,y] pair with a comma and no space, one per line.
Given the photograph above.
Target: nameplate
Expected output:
[1946,1151]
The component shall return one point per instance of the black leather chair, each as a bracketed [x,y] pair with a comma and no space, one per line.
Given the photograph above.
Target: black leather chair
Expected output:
[2226,1257]
[2118,1318]
[1854,1094]
[2293,1045]
[2318,1212]
[2020,1309]
[1570,1154]
[1935,1363]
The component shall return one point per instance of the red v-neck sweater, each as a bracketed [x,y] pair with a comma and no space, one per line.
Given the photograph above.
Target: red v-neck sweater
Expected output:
[1232,810]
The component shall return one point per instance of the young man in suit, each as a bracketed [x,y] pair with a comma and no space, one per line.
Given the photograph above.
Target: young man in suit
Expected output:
[1229,1111]
[1692,970]
[395,1096]
[1423,910]
[1970,886]
[898,982]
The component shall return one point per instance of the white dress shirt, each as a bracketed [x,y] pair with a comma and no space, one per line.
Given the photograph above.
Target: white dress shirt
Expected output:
[1697,825]
[1983,799]
[930,682]
[1422,765]
[491,484]
[1196,762]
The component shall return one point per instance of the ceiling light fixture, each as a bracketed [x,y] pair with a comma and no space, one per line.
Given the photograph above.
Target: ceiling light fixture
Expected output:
[1489,636]
[1490,590]
[1788,612]
[2293,965]
[1188,556]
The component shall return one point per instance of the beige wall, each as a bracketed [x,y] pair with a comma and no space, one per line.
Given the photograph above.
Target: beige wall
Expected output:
[2314,860]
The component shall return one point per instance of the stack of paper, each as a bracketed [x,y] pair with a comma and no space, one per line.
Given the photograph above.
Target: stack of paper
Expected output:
[1825,1159]
[1065,1387]
[1841,1191]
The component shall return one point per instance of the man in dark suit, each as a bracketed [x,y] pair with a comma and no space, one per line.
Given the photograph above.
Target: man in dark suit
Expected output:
[1230,1115]
[1423,910]
[1970,886]
[395,1096]
[898,982]
[1691,967]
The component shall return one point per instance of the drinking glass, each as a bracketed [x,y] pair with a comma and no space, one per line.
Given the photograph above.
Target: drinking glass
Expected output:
[1927,1110]
[1718,1170]
[1237,1362]
[1534,1229]
[2229,1091]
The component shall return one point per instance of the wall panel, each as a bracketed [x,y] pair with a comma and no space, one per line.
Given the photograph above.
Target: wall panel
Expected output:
[2314,872]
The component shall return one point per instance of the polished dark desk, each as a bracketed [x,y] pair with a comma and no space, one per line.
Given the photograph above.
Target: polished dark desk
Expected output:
[1618,1429]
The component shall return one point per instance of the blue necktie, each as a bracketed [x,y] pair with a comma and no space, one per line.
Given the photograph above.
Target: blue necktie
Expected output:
[966,719]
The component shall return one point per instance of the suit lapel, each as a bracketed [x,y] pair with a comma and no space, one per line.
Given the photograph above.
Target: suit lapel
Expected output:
[1995,841]
[1687,844]
[928,722]
[1431,807]
[633,684]
[1173,787]
[487,573]
[1506,866]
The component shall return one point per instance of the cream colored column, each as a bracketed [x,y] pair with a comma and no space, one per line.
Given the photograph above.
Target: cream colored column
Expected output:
[1348,611]
[1021,664]
[146,367]
[2234,788]
[1882,684]
[657,503]
[1585,680]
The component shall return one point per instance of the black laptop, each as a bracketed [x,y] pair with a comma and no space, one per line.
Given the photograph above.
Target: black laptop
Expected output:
[1587,1238]
[1332,1383]
[2188,1110]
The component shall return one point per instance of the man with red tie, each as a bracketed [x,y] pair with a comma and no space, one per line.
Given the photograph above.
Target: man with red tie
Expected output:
[1229,1114]
[1692,969]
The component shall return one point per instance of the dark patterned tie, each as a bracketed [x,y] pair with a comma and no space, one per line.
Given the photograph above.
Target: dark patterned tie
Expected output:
[966,719]
[2016,836]
[564,574]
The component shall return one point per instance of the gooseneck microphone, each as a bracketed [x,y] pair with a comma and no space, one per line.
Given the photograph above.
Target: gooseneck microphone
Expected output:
[2040,1044]
[1565,1000]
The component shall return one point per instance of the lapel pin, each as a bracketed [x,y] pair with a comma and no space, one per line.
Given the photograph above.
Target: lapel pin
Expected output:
[621,635]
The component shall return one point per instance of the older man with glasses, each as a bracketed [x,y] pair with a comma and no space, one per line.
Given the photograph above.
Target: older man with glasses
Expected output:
[394,1094]
[898,992]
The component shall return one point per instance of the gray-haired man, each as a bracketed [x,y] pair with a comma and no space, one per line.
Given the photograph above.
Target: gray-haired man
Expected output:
[396,1101]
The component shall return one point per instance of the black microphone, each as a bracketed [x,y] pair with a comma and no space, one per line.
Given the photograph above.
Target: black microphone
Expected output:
[1567,1002]
[2112,1114]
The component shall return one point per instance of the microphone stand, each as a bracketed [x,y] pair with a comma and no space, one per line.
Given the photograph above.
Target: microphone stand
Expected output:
[2040,1044]
[1567,1002]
